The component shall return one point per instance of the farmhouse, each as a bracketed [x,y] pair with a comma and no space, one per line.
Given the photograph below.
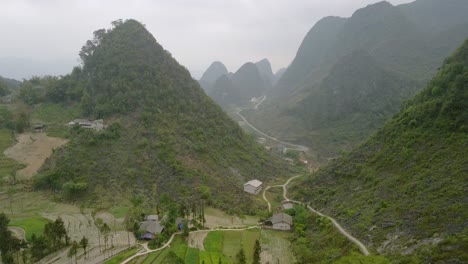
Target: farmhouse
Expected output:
[88,124]
[151,229]
[253,186]
[280,221]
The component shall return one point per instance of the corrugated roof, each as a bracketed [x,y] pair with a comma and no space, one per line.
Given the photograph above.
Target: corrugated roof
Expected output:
[154,227]
[281,217]
[254,183]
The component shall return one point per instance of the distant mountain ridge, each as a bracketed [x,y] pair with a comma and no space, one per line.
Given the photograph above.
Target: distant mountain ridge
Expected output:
[399,40]
[403,191]
[250,80]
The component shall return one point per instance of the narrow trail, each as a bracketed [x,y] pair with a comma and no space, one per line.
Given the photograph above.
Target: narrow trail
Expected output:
[340,229]
[287,144]
[148,251]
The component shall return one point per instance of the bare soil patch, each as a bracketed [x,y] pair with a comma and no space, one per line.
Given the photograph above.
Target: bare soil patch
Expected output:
[18,232]
[217,218]
[32,149]
[196,239]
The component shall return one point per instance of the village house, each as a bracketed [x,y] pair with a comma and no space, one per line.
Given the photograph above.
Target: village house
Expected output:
[88,124]
[253,186]
[151,227]
[280,221]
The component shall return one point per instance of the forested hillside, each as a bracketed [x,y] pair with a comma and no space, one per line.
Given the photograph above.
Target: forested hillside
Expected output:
[328,99]
[404,190]
[164,135]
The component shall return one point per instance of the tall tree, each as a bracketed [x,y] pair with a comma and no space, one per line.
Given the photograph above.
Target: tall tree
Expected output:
[256,254]
[241,259]
[84,244]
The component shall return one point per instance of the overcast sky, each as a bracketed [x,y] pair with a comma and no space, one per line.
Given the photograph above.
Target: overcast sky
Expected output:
[44,36]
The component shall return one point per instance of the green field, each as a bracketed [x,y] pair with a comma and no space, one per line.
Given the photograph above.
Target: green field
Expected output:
[32,225]
[56,116]
[274,196]
[219,245]
[8,167]
[55,113]
[119,212]
[122,256]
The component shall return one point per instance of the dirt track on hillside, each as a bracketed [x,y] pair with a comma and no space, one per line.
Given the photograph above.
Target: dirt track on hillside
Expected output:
[32,150]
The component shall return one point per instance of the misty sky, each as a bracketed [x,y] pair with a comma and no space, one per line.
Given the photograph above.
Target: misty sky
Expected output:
[44,36]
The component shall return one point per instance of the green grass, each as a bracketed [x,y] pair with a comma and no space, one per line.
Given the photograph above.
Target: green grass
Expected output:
[55,113]
[119,212]
[231,244]
[218,245]
[248,242]
[8,167]
[162,255]
[179,246]
[32,225]
[121,256]
[192,255]
[151,257]
[205,257]
[274,196]
[214,241]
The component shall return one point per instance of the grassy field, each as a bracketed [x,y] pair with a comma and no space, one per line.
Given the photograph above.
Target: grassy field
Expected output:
[216,218]
[8,166]
[219,245]
[32,225]
[121,256]
[55,113]
[56,116]
[274,196]
[119,212]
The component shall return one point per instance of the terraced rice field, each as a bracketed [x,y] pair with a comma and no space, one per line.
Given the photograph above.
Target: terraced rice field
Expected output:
[218,245]
[8,166]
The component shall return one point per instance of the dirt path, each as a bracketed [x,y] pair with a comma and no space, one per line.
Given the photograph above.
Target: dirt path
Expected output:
[340,229]
[32,149]
[287,144]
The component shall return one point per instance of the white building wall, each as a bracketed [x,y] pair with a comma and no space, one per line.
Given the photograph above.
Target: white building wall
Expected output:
[251,189]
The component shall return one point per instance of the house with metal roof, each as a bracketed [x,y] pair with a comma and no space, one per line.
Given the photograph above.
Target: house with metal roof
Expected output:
[253,186]
[280,221]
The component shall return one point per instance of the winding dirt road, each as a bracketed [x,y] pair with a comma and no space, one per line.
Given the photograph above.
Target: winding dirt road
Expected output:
[286,144]
[340,229]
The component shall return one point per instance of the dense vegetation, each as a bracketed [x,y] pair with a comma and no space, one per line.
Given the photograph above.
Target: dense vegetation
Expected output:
[164,135]
[352,74]
[12,249]
[315,239]
[404,190]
